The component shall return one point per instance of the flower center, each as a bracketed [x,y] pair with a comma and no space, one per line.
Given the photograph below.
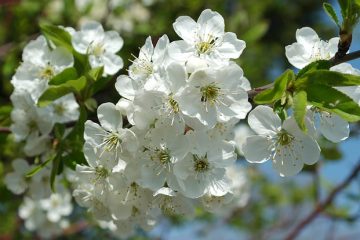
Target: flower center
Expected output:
[111,141]
[47,73]
[98,49]
[163,156]
[210,93]
[59,109]
[201,164]
[204,47]
[100,173]
[284,138]
[173,104]
[141,66]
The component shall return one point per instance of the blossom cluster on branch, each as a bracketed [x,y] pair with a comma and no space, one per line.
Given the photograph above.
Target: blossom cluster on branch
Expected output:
[167,146]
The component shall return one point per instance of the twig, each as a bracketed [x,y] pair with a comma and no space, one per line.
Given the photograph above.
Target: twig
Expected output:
[346,58]
[323,205]
[5,130]
[253,92]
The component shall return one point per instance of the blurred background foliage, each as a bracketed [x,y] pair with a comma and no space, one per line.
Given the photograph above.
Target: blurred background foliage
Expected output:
[267,26]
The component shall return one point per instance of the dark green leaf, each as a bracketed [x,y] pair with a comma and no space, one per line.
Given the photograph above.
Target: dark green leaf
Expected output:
[36,169]
[275,93]
[326,77]
[96,73]
[299,103]
[59,36]
[331,12]
[74,158]
[332,100]
[280,110]
[91,104]
[64,76]
[317,65]
[59,130]
[344,6]
[56,91]
[54,172]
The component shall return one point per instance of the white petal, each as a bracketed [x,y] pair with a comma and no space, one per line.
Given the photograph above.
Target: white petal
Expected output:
[256,149]
[113,42]
[333,127]
[110,118]
[211,23]
[180,50]
[185,27]
[61,58]
[160,49]
[307,37]
[126,87]
[112,63]
[263,120]
[297,55]
[231,47]
[176,77]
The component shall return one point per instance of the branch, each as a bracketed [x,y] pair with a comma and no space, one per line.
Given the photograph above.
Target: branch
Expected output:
[253,92]
[334,61]
[346,58]
[323,205]
[5,130]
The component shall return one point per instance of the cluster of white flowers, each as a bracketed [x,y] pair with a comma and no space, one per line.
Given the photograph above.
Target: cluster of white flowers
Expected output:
[42,210]
[41,62]
[283,142]
[181,101]
[168,145]
[120,15]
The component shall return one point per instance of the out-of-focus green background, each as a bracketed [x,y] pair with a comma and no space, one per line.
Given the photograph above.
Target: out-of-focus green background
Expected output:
[267,26]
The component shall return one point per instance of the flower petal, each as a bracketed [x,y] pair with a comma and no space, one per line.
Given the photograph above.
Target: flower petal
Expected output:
[256,149]
[263,120]
[110,118]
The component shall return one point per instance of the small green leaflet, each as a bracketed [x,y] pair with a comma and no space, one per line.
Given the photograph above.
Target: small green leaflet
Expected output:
[273,94]
[36,169]
[64,76]
[59,36]
[299,104]
[56,91]
[331,12]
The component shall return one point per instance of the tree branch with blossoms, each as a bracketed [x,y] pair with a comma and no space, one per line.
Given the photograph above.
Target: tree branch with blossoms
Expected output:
[181,101]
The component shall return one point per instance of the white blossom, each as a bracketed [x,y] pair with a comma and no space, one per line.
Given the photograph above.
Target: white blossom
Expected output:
[205,41]
[100,46]
[309,48]
[284,143]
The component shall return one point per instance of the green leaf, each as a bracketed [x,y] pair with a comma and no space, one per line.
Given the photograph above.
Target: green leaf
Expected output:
[331,12]
[74,158]
[344,6]
[56,91]
[317,65]
[280,110]
[64,76]
[59,36]
[91,104]
[36,169]
[275,93]
[96,73]
[332,100]
[329,78]
[300,102]
[54,172]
